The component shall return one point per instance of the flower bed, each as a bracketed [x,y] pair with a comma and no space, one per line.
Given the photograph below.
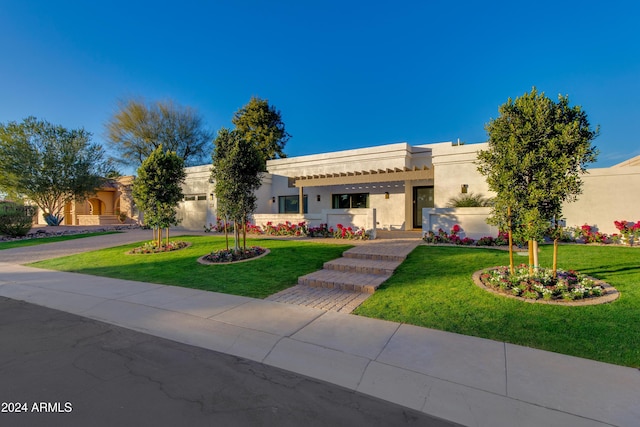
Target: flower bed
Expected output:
[453,238]
[629,235]
[567,286]
[153,248]
[224,256]
[300,229]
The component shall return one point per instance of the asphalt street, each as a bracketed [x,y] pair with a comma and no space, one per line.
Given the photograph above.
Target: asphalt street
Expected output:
[59,369]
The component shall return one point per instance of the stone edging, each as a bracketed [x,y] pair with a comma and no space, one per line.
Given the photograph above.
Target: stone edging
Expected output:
[611,293]
[203,261]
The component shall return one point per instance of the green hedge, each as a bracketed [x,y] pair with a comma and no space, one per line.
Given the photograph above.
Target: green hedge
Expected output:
[15,219]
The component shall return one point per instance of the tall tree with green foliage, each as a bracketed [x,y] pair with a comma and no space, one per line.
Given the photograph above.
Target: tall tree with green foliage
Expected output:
[538,150]
[157,190]
[50,165]
[262,125]
[138,128]
[237,174]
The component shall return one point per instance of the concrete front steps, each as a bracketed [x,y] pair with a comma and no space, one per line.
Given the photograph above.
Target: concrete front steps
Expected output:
[362,268]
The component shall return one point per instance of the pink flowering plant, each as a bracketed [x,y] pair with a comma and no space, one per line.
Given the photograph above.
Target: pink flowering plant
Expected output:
[567,286]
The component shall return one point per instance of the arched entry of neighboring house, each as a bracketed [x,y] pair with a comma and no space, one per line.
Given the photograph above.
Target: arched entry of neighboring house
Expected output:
[68,217]
[96,207]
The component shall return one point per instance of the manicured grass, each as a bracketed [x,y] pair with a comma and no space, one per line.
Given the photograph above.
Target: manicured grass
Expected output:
[433,288]
[43,240]
[258,278]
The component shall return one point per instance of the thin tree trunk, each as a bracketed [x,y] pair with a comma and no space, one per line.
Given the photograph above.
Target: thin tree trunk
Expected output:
[530,257]
[244,234]
[226,234]
[511,263]
[167,242]
[535,256]
[555,258]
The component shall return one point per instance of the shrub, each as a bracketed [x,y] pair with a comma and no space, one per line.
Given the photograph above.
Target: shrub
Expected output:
[16,220]
[469,200]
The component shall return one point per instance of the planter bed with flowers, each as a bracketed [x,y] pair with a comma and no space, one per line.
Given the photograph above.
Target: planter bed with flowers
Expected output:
[568,287]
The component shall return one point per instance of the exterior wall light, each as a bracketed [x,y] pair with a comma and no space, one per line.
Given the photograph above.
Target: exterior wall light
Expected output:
[273,199]
[318,197]
[464,188]
[386,194]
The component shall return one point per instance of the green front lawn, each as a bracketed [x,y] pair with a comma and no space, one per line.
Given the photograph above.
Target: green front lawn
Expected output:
[258,278]
[433,288]
[42,240]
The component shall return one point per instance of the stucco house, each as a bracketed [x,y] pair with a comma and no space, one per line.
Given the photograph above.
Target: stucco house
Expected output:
[103,207]
[399,187]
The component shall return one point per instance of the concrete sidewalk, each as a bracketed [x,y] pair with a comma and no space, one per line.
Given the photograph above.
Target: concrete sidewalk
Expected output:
[472,381]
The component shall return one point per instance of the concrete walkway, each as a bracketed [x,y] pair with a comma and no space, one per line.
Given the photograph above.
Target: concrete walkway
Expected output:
[472,381]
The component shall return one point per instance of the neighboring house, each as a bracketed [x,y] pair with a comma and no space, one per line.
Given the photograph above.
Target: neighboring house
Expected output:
[399,187]
[102,208]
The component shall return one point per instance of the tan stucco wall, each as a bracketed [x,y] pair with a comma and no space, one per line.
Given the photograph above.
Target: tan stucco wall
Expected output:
[609,194]
[453,166]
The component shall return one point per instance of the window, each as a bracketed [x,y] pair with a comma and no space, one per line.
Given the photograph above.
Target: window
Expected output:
[289,204]
[350,201]
[193,197]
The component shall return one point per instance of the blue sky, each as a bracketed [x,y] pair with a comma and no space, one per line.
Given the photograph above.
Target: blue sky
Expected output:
[343,74]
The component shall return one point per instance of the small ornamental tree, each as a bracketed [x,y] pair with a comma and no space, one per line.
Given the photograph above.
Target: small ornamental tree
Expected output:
[237,167]
[538,150]
[50,165]
[157,190]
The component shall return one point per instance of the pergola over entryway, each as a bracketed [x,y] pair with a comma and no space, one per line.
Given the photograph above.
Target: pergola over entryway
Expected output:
[361,177]
[364,177]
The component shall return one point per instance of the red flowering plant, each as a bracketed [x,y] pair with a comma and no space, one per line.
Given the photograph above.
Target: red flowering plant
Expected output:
[218,226]
[320,231]
[589,234]
[254,229]
[629,230]
[354,233]
[286,229]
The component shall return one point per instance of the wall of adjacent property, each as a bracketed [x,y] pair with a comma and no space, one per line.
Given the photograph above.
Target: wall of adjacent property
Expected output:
[609,194]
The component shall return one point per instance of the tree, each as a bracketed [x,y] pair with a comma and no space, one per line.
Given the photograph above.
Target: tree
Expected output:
[49,164]
[538,150]
[139,128]
[237,167]
[158,188]
[261,124]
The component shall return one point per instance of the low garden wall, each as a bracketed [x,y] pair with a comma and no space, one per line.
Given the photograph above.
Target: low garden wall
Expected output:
[360,218]
[472,221]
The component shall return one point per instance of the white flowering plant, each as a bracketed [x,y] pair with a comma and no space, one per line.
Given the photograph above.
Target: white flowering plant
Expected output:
[567,285]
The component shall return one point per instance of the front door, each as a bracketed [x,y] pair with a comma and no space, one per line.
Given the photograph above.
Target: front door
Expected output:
[422,198]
